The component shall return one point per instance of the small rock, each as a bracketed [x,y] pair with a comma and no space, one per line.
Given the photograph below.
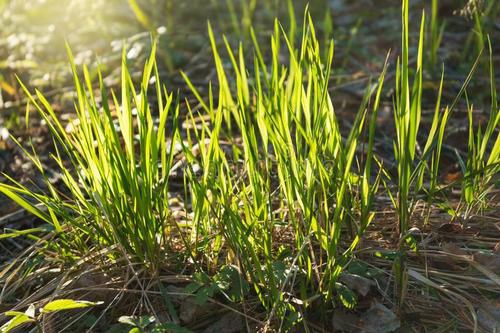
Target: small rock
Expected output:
[231,322]
[357,283]
[177,294]
[488,315]
[378,319]
[347,322]
[190,310]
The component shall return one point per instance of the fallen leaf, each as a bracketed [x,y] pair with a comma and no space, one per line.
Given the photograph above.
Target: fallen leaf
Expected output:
[452,177]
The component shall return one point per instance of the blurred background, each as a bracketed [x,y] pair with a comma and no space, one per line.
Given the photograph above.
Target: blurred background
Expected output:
[34,33]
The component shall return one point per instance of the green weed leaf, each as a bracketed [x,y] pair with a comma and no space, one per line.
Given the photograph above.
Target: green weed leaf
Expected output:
[67,304]
[19,319]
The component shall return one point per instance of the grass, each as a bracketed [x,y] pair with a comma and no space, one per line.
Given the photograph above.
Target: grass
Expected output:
[436,31]
[279,118]
[115,196]
[276,194]
[481,166]
[413,166]
[482,14]
[118,193]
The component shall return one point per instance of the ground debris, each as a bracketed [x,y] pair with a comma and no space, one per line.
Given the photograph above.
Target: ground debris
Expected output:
[190,310]
[357,283]
[488,316]
[378,319]
[231,322]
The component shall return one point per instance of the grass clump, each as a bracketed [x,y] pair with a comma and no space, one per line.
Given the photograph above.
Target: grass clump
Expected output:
[296,176]
[481,166]
[415,163]
[276,194]
[270,182]
[117,181]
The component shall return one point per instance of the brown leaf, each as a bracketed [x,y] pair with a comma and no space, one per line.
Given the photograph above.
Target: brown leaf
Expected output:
[452,177]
